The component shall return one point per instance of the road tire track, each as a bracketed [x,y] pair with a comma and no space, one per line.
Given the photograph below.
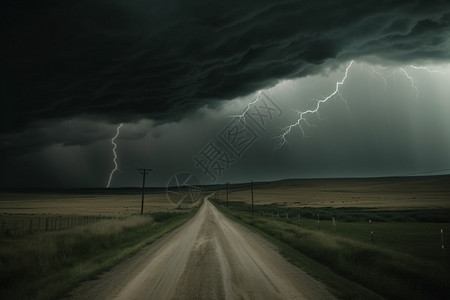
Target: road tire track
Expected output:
[209,257]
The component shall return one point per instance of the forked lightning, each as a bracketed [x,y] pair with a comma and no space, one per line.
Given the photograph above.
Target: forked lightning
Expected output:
[116,166]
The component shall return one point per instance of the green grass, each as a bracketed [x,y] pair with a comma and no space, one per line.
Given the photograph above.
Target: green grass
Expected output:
[347,214]
[405,262]
[48,265]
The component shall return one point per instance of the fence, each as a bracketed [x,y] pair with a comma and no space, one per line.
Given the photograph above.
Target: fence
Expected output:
[21,225]
[395,229]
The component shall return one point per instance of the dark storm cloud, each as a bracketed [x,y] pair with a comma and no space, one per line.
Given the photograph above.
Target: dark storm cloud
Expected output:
[72,132]
[119,61]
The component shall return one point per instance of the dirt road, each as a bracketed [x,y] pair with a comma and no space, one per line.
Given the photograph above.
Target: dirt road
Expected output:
[210,257]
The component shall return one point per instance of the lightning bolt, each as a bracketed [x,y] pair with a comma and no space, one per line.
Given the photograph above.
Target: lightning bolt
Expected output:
[426,69]
[380,76]
[116,167]
[413,84]
[303,114]
[242,116]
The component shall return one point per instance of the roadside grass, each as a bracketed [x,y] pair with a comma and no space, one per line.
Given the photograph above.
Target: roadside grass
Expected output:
[395,268]
[347,214]
[48,265]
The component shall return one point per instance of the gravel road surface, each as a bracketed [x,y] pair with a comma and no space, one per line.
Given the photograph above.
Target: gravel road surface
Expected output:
[209,257]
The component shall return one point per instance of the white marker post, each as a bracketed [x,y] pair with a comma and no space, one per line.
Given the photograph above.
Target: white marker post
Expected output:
[318,221]
[371,231]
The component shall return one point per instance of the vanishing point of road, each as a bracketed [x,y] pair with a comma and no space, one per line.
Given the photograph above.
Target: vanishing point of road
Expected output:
[209,257]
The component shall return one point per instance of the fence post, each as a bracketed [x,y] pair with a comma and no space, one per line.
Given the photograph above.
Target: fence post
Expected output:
[318,221]
[39,224]
[442,243]
[334,224]
[371,231]
[46,224]
[31,225]
[3,227]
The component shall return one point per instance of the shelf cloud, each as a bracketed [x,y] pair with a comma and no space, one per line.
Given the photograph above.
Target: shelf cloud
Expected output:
[122,61]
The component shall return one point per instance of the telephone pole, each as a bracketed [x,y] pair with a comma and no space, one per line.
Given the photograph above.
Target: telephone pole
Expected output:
[143,172]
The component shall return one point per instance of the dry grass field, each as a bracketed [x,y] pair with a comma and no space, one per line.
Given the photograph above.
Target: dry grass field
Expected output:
[74,224]
[81,205]
[431,192]
[388,235]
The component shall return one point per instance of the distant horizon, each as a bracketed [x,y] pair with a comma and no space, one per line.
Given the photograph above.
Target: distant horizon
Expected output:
[149,187]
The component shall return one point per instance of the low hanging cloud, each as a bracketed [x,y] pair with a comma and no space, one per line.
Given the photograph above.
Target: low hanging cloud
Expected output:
[121,61]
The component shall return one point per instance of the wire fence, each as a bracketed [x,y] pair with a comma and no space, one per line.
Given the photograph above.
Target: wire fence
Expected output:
[399,227]
[21,225]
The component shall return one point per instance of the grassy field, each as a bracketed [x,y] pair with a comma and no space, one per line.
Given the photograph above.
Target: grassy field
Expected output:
[24,213]
[52,241]
[47,265]
[431,192]
[86,204]
[91,231]
[404,260]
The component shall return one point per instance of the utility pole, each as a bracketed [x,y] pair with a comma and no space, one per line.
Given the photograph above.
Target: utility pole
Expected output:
[253,213]
[143,172]
[227,194]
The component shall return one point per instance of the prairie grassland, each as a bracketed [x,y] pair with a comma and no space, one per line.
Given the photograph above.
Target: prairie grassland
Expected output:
[405,259]
[46,265]
[431,192]
[51,241]
[405,262]
[81,205]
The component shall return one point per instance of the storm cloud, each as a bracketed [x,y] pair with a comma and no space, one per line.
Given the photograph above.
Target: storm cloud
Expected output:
[122,61]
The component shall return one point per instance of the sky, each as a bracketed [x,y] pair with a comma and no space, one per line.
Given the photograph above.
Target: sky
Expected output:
[228,91]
